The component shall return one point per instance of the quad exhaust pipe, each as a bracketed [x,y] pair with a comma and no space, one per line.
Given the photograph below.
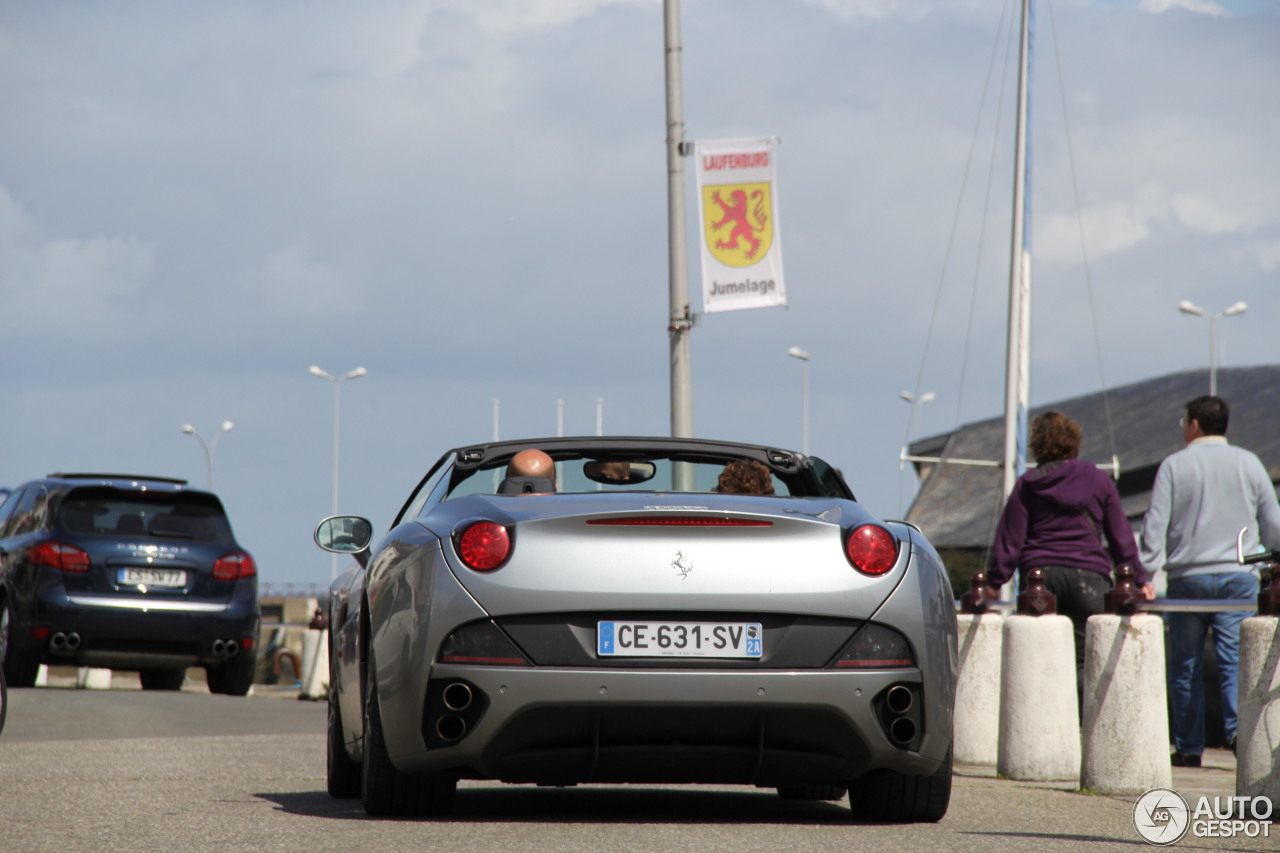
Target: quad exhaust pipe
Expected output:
[902,730]
[451,727]
[899,699]
[225,648]
[61,642]
[457,696]
[453,712]
[898,719]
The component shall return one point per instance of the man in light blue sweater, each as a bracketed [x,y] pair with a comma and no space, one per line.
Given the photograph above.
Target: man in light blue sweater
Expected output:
[1202,497]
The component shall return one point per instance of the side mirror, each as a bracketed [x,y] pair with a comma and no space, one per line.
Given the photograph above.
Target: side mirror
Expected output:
[344,534]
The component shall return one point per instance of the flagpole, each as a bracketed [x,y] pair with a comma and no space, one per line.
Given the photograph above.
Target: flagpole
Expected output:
[1017,354]
[680,321]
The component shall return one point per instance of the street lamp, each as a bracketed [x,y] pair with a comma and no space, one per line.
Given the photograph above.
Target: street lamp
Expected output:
[916,403]
[209,449]
[1186,306]
[796,352]
[337,419]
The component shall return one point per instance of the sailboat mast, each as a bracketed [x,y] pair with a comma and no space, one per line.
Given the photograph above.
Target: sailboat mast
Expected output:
[1017,355]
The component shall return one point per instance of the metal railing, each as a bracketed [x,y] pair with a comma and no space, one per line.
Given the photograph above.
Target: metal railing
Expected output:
[1162,605]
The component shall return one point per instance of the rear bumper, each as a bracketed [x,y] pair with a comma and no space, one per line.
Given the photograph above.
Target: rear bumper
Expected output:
[765,728]
[141,632]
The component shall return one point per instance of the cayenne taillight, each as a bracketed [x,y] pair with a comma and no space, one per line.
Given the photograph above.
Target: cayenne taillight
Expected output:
[55,555]
[233,567]
[871,549]
[483,545]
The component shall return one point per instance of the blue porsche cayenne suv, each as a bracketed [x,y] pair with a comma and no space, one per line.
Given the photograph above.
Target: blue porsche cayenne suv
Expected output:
[128,573]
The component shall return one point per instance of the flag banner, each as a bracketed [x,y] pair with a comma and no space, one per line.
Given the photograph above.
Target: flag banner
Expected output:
[738,216]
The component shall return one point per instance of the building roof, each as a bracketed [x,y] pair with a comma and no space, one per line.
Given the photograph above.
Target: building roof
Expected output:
[958,505]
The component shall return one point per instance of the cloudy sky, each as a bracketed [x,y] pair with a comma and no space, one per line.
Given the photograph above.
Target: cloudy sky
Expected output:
[468,198]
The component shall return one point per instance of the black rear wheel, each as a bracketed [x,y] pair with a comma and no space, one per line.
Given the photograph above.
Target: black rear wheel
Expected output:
[342,772]
[20,668]
[886,797]
[163,679]
[386,791]
[4,698]
[235,677]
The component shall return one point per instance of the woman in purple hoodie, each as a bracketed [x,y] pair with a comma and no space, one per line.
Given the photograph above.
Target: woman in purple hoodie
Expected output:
[1064,518]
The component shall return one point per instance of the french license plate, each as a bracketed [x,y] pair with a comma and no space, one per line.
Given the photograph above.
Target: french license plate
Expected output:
[153,577]
[680,639]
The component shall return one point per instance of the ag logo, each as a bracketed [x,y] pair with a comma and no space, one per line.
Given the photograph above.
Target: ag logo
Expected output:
[738,226]
[1161,816]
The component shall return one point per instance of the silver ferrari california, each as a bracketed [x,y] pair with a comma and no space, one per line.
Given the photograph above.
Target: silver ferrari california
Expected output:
[569,611]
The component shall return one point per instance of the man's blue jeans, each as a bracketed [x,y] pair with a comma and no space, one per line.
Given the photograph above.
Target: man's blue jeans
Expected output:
[1187,632]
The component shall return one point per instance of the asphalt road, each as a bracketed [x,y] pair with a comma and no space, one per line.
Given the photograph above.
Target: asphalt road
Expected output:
[96,771]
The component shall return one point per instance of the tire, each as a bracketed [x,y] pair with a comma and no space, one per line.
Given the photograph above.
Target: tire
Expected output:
[343,774]
[163,679]
[233,678]
[4,699]
[889,797]
[386,791]
[812,791]
[20,668]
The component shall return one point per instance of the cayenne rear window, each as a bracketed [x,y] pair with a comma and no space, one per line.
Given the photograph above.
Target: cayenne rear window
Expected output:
[162,516]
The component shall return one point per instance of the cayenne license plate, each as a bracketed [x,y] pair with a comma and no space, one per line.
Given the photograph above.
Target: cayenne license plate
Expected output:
[153,577]
[680,639]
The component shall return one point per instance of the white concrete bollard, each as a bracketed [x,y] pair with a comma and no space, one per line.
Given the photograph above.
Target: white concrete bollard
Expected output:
[976,733]
[42,676]
[315,664]
[1258,727]
[1126,715]
[93,678]
[1039,720]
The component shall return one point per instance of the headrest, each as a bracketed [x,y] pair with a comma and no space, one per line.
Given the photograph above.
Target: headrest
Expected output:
[527,486]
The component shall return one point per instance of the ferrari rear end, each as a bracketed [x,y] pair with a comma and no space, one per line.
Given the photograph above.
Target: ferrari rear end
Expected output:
[795,643]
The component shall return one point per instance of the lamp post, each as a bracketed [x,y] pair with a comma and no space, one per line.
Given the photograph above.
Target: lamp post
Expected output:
[916,403]
[337,419]
[796,352]
[209,449]
[1186,306]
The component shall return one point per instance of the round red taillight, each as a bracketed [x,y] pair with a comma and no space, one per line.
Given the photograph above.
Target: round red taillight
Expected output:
[871,549]
[484,545]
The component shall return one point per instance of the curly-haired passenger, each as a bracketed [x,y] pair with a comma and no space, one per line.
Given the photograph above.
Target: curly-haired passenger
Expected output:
[745,477]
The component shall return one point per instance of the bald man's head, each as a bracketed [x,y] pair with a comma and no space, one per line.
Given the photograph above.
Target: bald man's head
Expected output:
[532,463]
